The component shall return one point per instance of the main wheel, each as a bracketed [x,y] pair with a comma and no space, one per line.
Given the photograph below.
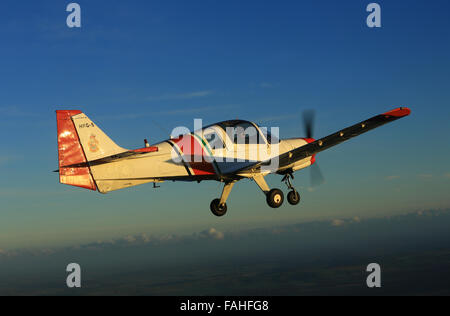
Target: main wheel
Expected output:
[293,197]
[275,198]
[217,209]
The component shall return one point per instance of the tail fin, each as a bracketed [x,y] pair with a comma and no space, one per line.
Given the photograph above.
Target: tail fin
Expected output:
[79,142]
[95,143]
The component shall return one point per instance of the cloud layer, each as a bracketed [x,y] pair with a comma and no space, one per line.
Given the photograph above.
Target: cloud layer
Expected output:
[214,235]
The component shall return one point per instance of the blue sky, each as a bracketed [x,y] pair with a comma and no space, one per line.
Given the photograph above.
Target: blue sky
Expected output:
[141,68]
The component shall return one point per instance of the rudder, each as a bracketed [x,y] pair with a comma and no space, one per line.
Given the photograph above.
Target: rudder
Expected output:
[73,168]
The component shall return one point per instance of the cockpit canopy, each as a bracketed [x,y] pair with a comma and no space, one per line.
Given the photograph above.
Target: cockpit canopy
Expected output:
[238,132]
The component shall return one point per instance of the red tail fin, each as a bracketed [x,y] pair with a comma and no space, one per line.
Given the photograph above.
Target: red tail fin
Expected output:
[73,169]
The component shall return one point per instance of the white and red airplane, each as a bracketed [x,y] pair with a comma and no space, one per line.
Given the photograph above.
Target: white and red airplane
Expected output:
[227,152]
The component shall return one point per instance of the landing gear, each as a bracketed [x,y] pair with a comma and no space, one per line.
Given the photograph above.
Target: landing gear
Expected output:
[219,206]
[275,198]
[293,196]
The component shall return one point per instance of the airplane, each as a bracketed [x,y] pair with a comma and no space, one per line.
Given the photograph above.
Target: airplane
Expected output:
[227,152]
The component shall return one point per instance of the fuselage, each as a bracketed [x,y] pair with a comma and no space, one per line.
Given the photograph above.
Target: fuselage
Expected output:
[216,152]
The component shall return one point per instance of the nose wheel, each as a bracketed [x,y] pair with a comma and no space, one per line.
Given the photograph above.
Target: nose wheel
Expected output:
[293,196]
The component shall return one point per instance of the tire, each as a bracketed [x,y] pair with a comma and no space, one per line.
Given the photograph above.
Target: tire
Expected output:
[275,198]
[293,198]
[218,210]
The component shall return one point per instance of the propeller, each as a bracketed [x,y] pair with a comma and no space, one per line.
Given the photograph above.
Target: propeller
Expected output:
[316,177]
[308,122]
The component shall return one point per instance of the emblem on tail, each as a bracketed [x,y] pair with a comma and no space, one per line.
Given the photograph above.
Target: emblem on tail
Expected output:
[93,144]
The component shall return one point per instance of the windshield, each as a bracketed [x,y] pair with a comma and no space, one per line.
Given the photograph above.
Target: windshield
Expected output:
[213,139]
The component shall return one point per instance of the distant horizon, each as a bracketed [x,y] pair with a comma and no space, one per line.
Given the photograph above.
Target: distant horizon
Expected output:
[211,232]
[319,258]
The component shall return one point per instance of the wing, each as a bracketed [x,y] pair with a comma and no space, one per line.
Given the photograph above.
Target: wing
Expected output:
[319,145]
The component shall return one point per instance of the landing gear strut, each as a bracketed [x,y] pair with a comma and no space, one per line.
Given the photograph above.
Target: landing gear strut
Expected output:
[274,197]
[293,196]
[219,206]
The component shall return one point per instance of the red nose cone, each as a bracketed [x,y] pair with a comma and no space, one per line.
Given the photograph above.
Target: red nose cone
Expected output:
[309,141]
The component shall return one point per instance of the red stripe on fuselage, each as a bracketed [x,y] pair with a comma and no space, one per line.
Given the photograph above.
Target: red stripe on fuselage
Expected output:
[194,155]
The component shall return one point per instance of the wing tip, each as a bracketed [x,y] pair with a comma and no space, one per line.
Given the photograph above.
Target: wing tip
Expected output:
[399,112]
